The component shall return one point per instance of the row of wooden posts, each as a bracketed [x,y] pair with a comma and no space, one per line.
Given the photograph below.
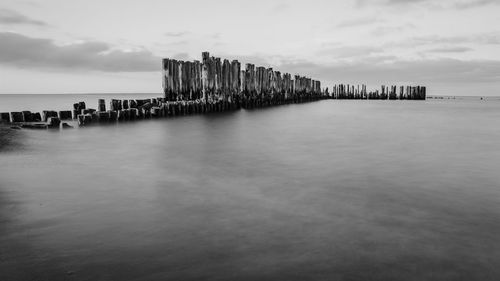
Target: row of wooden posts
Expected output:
[212,85]
[344,91]
[37,120]
[129,110]
[217,79]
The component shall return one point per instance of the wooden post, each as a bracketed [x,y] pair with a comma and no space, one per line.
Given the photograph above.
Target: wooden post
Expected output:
[16,117]
[47,114]
[54,122]
[169,78]
[101,105]
[205,75]
[65,115]
[27,116]
[103,116]
[5,117]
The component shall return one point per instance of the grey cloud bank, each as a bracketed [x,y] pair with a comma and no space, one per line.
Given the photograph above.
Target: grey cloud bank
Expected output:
[23,51]
[424,71]
[10,17]
[451,50]
[456,4]
[359,22]
[176,34]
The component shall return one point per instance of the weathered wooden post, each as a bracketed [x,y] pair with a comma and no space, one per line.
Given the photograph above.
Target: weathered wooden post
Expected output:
[65,115]
[115,105]
[27,116]
[182,80]
[101,105]
[47,114]
[133,114]
[113,115]
[392,94]
[123,115]
[81,119]
[166,77]
[54,122]
[16,117]
[103,116]
[5,117]
[225,80]
[205,75]
[236,82]
[218,79]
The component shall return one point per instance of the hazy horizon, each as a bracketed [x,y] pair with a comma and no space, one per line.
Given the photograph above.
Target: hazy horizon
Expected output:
[61,47]
[158,93]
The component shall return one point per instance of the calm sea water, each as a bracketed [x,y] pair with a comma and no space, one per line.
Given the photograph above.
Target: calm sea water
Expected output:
[330,190]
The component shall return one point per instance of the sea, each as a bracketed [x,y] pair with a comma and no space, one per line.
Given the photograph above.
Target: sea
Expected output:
[326,190]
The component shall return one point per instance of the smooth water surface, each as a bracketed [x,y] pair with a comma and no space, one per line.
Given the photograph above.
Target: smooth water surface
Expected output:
[330,190]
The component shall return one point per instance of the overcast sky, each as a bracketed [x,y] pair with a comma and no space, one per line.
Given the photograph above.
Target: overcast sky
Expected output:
[81,46]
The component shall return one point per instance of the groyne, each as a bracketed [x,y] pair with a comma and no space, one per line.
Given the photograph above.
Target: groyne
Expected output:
[210,85]
[217,79]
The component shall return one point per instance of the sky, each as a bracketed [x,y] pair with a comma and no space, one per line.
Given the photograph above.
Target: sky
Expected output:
[116,46]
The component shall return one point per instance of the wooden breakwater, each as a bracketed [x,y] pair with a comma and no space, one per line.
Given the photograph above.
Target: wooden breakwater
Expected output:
[210,85]
[217,80]
[214,79]
[346,91]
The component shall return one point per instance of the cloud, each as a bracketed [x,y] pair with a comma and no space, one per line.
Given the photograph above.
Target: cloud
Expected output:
[257,59]
[390,2]
[358,22]
[344,52]
[417,71]
[181,56]
[281,7]
[13,17]
[386,29]
[328,52]
[176,34]
[455,4]
[433,40]
[450,50]
[361,3]
[473,4]
[23,51]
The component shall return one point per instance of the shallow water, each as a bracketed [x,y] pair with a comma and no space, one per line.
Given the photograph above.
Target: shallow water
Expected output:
[330,190]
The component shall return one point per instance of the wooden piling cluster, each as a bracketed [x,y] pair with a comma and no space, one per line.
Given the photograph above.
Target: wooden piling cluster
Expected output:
[216,80]
[130,110]
[182,80]
[346,91]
